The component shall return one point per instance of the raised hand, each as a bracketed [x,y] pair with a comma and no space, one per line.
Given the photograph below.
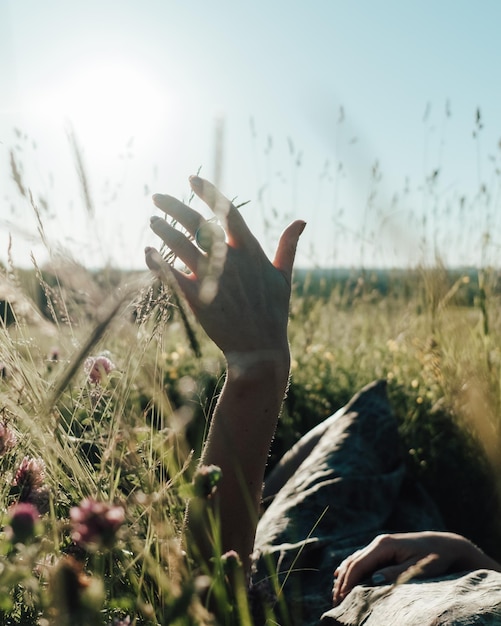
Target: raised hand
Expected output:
[240,298]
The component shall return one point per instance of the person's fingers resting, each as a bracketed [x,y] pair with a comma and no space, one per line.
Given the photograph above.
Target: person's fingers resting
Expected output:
[414,567]
[410,555]
[340,577]
[381,551]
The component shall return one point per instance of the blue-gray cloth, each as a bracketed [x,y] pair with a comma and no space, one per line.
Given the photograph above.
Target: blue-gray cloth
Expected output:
[343,484]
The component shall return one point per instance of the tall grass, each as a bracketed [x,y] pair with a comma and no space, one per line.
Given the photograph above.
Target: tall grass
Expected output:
[127,436]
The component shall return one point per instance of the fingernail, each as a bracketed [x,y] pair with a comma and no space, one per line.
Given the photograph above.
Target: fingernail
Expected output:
[151,262]
[156,197]
[195,181]
[155,261]
[154,218]
[378,578]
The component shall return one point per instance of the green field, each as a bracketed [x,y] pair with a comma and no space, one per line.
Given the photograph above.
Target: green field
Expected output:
[130,437]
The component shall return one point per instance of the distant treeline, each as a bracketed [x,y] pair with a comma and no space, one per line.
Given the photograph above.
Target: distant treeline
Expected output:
[462,285]
[459,286]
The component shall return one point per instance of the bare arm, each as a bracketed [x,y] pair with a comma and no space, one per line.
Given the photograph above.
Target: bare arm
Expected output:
[423,554]
[241,300]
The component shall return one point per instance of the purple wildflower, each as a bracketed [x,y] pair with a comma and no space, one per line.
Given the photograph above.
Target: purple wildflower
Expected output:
[206,480]
[231,562]
[40,498]
[23,519]
[28,484]
[7,439]
[232,572]
[95,524]
[97,368]
[29,477]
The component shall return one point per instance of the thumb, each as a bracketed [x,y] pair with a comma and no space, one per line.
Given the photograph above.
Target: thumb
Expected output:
[286,250]
[389,575]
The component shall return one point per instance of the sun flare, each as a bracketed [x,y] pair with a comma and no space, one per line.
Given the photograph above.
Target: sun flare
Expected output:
[108,102]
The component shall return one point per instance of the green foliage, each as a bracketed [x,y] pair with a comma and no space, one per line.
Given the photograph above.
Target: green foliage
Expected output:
[130,438]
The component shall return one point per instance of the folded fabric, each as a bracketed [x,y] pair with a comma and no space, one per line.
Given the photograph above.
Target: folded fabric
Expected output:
[459,600]
[342,485]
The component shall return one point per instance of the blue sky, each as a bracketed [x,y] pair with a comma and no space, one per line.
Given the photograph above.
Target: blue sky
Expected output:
[331,87]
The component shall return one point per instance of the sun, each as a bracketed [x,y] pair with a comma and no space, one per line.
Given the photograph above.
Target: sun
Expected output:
[108,102]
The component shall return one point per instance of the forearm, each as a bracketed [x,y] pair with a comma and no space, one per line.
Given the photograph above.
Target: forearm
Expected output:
[470,557]
[241,431]
[246,317]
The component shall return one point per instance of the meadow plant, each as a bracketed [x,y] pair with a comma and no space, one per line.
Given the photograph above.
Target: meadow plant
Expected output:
[95,524]
[205,481]
[99,454]
[8,439]
[98,368]
[22,522]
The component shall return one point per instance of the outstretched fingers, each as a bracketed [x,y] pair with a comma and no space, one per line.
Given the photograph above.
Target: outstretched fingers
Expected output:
[237,230]
[167,273]
[182,213]
[177,242]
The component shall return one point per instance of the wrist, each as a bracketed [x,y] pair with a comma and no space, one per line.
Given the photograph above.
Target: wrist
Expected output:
[253,362]
[471,556]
